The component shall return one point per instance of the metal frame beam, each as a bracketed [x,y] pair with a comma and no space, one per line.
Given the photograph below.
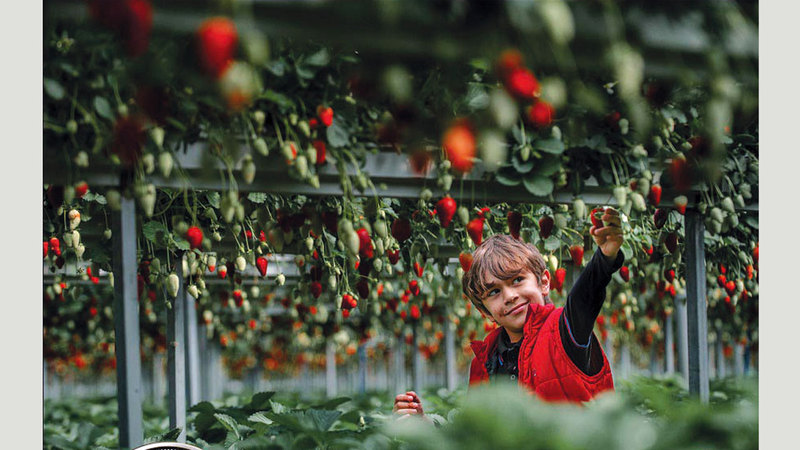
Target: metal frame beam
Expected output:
[696,305]
[176,356]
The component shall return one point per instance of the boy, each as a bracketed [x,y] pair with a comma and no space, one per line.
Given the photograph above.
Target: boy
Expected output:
[551,351]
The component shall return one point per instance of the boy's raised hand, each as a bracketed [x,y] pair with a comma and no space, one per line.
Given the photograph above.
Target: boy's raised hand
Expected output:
[408,403]
[609,236]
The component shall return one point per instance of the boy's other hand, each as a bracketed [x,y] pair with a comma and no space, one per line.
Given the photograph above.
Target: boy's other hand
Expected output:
[408,403]
[609,236]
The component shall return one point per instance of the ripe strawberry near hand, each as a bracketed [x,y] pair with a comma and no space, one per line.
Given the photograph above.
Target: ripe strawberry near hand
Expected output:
[217,39]
[596,217]
[475,230]
[446,209]
[514,220]
[576,252]
[654,196]
[459,144]
[195,236]
[325,115]
[261,264]
[660,217]
[315,288]
[364,243]
[401,229]
[625,273]
[540,114]
[418,269]
[466,260]
[521,83]
[546,226]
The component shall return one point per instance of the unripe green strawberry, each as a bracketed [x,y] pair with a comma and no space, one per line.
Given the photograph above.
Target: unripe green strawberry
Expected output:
[241,263]
[459,273]
[288,237]
[463,215]
[379,247]
[258,117]
[638,202]
[280,279]
[74,218]
[147,200]
[716,214]
[380,228]
[72,127]
[304,128]
[311,153]
[239,212]
[732,220]
[173,284]
[560,221]
[76,238]
[248,169]
[201,283]
[643,185]
[425,194]
[157,134]
[81,159]
[638,150]
[301,164]
[193,291]
[620,195]
[313,180]
[309,243]
[377,264]
[148,163]
[67,237]
[114,199]
[261,146]
[727,205]
[446,182]
[351,242]
[79,250]
[739,200]
[746,191]
[579,208]
[361,182]
[332,282]
[165,163]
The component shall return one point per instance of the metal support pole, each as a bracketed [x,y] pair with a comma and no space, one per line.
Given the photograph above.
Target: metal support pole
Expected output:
[417,362]
[738,358]
[669,343]
[696,306]
[176,356]
[720,356]
[362,368]
[450,356]
[126,327]
[205,363]
[682,337]
[330,368]
[192,352]
[654,363]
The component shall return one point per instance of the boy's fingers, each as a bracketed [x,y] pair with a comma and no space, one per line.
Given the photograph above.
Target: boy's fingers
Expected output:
[407,411]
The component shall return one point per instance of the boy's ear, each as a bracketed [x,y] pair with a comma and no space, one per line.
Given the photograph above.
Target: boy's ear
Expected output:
[544,283]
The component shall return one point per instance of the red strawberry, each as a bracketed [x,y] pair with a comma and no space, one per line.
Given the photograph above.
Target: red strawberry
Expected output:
[730,287]
[721,281]
[669,275]
[325,115]
[475,230]
[722,269]
[749,271]
[316,289]
[459,144]
[401,229]
[313,123]
[576,252]
[546,226]
[540,114]
[649,250]
[414,312]
[466,260]
[418,269]
[364,243]
[217,39]
[223,271]
[55,245]
[379,289]
[671,241]
[420,162]
[313,310]
[261,236]
[612,120]
[92,311]
[655,194]
[261,264]
[237,296]
[413,286]
[393,255]
[345,313]
[508,60]
[755,252]
[680,203]
[362,287]
[321,151]
[46,248]
[660,217]
[596,217]
[252,324]
[671,290]
[625,273]
[514,220]
[521,83]
[81,189]
[561,275]
[405,298]
[446,209]
[131,19]
[195,236]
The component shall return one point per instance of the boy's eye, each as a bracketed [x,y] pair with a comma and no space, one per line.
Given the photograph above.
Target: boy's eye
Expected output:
[492,292]
[518,279]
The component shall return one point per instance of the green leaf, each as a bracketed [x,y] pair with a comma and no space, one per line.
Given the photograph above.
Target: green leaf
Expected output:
[181,243]
[278,68]
[538,185]
[257,197]
[323,419]
[552,243]
[548,166]
[506,180]
[277,408]
[277,98]
[304,72]
[213,199]
[552,145]
[229,424]
[321,58]
[477,98]
[333,403]
[522,167]
[516,131]
[155,232]
[259,417]
[176,124]
[260,401]
[203,407]
[752,221]
[337,135]
[103,108]
[54,89]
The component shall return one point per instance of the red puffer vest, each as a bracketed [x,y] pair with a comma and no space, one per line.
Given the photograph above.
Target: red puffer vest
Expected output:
[544,366]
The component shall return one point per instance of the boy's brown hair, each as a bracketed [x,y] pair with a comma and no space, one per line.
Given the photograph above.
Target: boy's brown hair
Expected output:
[502,257]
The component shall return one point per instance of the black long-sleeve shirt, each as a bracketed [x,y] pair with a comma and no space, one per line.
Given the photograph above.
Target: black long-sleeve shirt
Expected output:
[584,302]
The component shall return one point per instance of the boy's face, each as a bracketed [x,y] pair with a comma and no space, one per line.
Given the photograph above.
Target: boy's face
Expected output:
[507,300]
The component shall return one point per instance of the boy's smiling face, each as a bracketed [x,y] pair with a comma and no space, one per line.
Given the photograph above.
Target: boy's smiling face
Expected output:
[507,300]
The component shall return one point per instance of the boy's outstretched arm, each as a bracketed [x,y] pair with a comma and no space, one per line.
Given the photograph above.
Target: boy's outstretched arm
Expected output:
[585,299]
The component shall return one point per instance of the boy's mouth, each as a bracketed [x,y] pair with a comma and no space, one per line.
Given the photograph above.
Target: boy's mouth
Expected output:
[516,309]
